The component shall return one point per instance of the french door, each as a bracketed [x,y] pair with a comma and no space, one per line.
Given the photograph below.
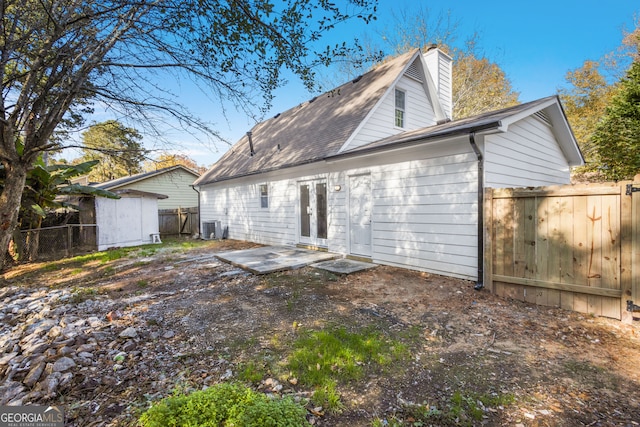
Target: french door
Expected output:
[313,212]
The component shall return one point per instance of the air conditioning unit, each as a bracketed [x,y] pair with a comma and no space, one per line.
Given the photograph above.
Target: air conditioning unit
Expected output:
[211,230]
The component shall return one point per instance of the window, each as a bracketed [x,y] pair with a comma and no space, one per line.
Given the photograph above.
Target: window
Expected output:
[400,95]
[264,196]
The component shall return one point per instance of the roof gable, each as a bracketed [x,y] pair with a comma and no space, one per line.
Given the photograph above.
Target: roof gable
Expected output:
[498,120]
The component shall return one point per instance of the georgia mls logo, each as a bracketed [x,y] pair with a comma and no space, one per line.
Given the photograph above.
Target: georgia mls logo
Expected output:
[31,416]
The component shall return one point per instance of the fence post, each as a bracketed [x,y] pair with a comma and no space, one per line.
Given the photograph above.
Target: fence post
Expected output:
[69,249]
[488,239]
[635,243]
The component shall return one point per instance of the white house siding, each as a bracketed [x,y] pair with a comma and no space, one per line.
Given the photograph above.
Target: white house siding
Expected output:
[425,211]
[527,156]
[418,114]
[236,204]
[128,221]
[175,184]
[423,216]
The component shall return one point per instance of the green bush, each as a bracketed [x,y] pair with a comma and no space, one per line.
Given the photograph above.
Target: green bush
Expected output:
[225,405]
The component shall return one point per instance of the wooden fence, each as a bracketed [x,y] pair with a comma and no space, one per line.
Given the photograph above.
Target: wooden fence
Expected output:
[574,246]
[179,221]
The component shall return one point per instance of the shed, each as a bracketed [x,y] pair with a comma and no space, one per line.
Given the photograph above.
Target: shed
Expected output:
[130,220]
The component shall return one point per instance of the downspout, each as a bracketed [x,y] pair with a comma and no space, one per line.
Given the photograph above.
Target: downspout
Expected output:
[472,140]
[194,189]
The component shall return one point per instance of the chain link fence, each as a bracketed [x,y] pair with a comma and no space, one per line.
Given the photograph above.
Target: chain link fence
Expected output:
[54,242]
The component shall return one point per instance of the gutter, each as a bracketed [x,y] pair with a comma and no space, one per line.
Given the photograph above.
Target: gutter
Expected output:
[397,144]
[472,140]
[194,189]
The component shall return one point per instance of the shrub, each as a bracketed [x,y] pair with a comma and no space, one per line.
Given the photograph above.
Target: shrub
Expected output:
[225,404]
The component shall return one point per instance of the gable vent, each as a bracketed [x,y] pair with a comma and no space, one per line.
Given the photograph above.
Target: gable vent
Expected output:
[541,115]
[414,72]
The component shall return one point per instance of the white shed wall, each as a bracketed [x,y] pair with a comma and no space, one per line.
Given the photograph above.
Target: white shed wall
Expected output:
[128,221]
[527,156]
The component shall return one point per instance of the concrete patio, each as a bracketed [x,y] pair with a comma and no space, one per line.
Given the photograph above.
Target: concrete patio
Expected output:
[268,259]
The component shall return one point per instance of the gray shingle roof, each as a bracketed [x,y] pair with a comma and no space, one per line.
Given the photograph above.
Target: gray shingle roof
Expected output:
[316,130]
[119,182]
[311,131]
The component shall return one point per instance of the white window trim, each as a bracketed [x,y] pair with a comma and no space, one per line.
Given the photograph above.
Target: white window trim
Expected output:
[404,109]
[260,196]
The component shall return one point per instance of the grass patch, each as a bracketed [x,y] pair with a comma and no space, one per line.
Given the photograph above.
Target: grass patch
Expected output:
[103,257]
[326,358]
[335,353]
[51,267]
[251,372]
[225,405]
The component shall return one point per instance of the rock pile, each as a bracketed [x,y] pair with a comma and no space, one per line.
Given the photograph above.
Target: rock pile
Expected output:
[50,339]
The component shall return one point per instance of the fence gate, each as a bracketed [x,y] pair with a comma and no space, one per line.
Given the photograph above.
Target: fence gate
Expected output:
[178,221]
[633,190]
[575,246]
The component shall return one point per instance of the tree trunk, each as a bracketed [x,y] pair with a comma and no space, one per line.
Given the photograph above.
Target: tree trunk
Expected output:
[16,175]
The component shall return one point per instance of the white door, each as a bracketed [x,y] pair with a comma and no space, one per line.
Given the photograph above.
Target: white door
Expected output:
[313,212]
[360,215]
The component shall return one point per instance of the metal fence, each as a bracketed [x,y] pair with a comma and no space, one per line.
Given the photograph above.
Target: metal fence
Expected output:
[55,242]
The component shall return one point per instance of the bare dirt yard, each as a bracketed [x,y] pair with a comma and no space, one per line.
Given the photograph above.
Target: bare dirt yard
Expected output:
[106,335]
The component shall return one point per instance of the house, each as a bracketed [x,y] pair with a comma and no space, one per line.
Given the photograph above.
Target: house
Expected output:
[131,220]
[174,182]
[376,169]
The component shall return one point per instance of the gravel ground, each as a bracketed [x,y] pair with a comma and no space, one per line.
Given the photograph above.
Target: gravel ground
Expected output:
[105,339]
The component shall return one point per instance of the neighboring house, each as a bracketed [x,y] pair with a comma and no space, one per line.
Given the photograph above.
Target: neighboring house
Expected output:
[376,169]
[130,220]
[174,182]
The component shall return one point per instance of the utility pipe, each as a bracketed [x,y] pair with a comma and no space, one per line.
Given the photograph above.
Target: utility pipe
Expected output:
[472,140]
[197,191]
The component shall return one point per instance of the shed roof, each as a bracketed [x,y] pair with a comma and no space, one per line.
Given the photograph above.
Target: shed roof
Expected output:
[119,182]
[139,193]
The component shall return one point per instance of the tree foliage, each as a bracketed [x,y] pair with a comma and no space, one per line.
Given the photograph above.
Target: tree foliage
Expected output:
[479,84]
[585,102]
[590,90]
[166,160]
[58,57]
[117,150]
[617,136]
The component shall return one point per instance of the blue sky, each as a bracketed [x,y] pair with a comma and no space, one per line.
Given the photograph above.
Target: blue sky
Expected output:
[535,43]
